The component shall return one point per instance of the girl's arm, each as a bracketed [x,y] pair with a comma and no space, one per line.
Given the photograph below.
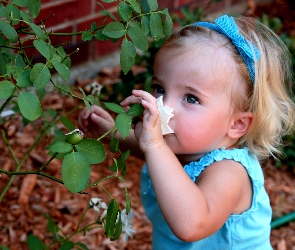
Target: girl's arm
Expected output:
[192,210]
[196,210]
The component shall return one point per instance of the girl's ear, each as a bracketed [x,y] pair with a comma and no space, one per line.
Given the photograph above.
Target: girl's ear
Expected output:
[241,124]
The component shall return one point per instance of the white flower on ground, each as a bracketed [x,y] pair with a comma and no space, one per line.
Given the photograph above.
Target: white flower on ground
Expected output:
[95,88]
[165,116]
[127,225]
[97,203]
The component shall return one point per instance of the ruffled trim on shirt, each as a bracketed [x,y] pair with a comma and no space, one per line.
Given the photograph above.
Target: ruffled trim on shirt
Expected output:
[242,156]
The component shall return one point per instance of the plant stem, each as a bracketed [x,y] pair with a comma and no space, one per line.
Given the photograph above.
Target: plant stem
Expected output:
[103,179]
[109,131]
[13,173]
[19,164]
[81,218]
[6,103]
[45,164]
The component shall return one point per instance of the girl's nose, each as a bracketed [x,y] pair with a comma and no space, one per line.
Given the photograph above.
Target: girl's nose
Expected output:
[168,103]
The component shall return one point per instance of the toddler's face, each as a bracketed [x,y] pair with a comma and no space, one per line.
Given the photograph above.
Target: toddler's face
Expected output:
[196,84]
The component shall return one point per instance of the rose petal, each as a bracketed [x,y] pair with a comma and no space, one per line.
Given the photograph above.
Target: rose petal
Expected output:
[165,116]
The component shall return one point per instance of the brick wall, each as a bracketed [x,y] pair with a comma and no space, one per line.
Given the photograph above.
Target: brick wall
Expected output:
[64,16]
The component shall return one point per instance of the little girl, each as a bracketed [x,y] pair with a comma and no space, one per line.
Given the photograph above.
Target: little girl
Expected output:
[228,83]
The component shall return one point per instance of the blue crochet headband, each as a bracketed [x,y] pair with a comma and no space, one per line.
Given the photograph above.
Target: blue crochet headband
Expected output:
[227,26]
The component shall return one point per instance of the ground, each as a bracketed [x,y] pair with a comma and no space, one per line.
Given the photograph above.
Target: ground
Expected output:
[31,196]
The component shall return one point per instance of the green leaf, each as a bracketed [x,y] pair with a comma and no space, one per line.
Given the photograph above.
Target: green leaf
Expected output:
[114,30]
[8,31]
[120,163]
[12,14]
[75,172]
[38,31]
[34,242]
[60,147]
[114,145]
[135,110]
[4,59]
[43,48]
[118,229]
[156,26]
[124,11]
[123,123]
[109,1]
[40,75]
[3,247]
[100,36]
[92,150]
[67,123]
[24,80]
[145,22]
[65,59]
[87,35]
[20,3]
[51,226]
[29,105]
[135,6]
[34,7]
[111,217]
[106,13]
[153,4]
[25,16]
[93,27]
[7,89]
[115,107]
[127,55]
[128,201]
[168,23]
[87,103]
[138,37]
[68,245]
[82,246]
[62,70]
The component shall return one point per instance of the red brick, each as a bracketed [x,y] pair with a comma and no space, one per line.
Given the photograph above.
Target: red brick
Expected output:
[47,1]
[104,47]
[106,6]
[64,11]
[185,2]
[166,4]
[82,55]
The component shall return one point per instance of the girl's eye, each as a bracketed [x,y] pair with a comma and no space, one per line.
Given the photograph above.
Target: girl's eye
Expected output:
[158,89]
[192,99]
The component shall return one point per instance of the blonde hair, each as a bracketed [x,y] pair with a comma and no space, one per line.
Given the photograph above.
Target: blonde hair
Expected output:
[270,97]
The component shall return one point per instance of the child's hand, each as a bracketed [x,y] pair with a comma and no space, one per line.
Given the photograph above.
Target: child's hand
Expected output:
[96,122]
[148,131]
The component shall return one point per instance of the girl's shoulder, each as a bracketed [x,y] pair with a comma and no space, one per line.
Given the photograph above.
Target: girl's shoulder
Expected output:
[239,155]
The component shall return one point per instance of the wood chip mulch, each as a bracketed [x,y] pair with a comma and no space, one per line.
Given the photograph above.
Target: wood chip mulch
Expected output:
[31,196]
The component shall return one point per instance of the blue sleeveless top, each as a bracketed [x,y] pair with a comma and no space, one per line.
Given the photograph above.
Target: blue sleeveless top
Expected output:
[248,230]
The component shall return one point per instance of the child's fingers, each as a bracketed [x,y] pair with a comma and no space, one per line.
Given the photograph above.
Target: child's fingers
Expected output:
[101,113]
[82,119]
[130,100]
[138,97]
